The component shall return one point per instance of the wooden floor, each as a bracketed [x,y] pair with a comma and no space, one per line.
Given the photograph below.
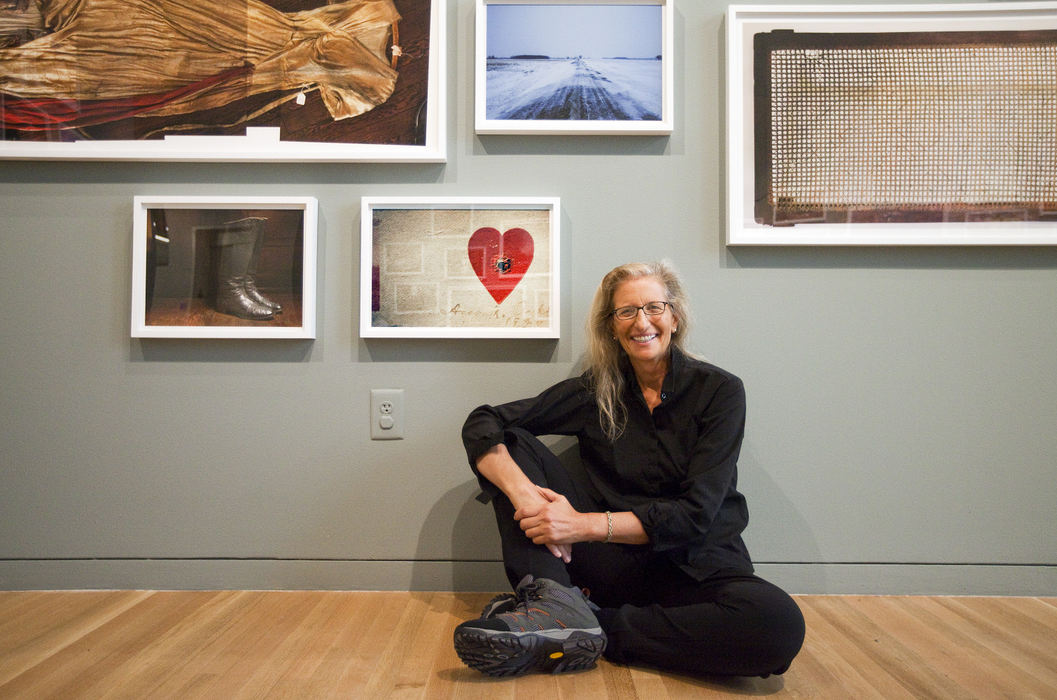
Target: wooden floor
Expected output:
[167,311]
[249,644]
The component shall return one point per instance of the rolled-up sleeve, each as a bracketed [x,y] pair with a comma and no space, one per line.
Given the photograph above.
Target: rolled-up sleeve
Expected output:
[559,410]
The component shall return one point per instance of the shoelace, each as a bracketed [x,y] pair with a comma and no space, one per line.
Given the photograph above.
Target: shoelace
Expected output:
[523,609]
[530,592]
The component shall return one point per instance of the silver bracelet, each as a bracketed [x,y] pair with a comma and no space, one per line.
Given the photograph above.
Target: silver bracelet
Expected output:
[609,530]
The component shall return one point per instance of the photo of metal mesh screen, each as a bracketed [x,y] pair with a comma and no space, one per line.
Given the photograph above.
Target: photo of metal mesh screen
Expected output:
[905,127]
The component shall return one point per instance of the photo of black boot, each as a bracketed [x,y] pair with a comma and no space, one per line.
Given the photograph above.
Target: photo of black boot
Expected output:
[256,223]
[236,247]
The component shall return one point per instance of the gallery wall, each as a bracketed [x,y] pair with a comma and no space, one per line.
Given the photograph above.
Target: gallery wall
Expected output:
[902,401]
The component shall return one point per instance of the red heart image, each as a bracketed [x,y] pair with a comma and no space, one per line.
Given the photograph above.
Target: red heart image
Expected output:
[500,260]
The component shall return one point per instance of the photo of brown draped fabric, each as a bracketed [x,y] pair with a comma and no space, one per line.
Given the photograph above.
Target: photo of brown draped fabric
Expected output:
[142,68]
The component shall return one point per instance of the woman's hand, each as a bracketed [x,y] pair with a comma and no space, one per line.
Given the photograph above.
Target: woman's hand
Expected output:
[499,467]
[539,500]
[552,522]
[557,524]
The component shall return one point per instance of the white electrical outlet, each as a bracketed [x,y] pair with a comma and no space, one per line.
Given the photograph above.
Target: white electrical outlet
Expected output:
[387,414]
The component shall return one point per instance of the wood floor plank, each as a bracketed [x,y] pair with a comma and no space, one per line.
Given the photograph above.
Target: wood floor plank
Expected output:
[374,638]
[293,646]
[618,682]
[987,661]
[418,675]
[36,625]
[81,667]
[343,635]
[312,644]
[941,646]
[397,645]
[831,641]
[174,652]
[283,668]
[395,651]
[893,652]
[1025,643]
[227,628]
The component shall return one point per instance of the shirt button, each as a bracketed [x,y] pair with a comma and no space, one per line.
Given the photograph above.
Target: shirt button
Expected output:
[664,396]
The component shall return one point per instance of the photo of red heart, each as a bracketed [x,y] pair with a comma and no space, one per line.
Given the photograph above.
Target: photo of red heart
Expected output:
[500,259]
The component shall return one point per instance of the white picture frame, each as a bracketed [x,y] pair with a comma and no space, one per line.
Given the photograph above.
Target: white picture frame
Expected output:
[193,257]
[608,43]
[745,22]
[460,267]
[408,126]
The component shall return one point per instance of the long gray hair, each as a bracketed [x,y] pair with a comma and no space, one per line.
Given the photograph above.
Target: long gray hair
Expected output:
[604,351]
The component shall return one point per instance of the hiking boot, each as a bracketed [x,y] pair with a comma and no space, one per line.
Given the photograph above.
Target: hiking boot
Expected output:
[505,602]
[546,627]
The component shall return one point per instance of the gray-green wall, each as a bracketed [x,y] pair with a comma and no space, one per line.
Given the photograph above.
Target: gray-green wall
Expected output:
[902,426]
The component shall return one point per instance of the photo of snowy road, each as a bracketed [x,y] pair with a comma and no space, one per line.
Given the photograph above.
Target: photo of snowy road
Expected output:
[577,88]
[574,62]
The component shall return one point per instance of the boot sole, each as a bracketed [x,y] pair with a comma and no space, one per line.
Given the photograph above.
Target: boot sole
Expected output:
[496,653]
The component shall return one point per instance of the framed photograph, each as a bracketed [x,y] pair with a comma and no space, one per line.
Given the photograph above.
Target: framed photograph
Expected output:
[457,267]
[239,80]
[574,67]
[892,124]
[224,267]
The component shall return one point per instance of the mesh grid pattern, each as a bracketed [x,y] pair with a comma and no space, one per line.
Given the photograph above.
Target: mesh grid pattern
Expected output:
[914,127]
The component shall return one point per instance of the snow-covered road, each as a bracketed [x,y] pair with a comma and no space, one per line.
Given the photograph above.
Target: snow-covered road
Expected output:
[578,88]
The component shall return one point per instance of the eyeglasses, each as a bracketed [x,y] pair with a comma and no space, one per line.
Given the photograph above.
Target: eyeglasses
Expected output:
[650,308]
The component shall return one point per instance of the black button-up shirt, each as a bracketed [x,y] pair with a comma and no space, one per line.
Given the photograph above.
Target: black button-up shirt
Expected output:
[674,468]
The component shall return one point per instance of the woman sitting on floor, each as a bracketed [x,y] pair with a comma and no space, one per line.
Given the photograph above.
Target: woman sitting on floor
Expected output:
[653,532]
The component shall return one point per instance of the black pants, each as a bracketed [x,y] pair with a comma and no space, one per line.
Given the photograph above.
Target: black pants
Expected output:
[653,612]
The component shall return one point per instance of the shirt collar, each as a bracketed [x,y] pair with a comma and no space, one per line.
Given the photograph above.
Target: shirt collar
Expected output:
[676,364]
